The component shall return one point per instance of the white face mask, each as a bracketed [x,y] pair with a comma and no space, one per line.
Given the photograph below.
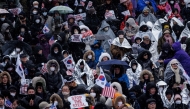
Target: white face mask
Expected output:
[80,10]
[2,19]
[65,93]
[52,69]
[106,28]
[9,69]
[37,20]
[44,13]
[17,49]
[13,94]
[22,30]
[34,12]
[121,36]
[120,103]
[55,103]
[171,2]
[55,52]
[134,66]
[89,56]
[178,102]
[7,31]
[93,94]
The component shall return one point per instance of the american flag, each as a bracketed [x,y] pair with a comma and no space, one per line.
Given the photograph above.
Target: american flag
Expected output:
[51,41]
[44,69]
[8,103]
[108,91]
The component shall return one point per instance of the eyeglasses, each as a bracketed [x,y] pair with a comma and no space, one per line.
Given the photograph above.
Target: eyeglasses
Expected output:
[175,64]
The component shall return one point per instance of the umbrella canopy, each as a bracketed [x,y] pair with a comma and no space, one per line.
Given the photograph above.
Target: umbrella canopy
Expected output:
[109,63]
[102,37]
[3,11]
[61,9]
[10,46]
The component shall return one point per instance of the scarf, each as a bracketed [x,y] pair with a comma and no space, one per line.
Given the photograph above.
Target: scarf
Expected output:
[177,75]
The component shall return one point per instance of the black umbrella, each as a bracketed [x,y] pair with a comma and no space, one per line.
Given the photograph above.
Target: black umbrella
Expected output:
[10,46]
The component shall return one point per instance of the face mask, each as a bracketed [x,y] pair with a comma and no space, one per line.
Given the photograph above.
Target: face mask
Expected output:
[89,56]
[171,2]
[55,52]
[120,103]
[2,19]
[7,31]
[17,49]
[36,6]
[134,67]
[178,102]
[52,69]
[22,30]
[44,13]
[50,0]
[13,94]
[147,2]
[80,10]
[9,69]
[106,29]
[37,20]
[93,94]
[120,36]
[34,12]
[55,103]
[83,31]
[166,51]
[65,93]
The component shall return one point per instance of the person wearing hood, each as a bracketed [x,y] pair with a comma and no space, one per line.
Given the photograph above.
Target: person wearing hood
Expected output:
[56,22]
[186,31]
[134,73]
[4,19]
[63,3]
[89,58]
[187,42]
[92,21]
[53,77]
[178,103]
[147,3]
[31,101]
[120,46]
[64,94]
[177,27]
[69,23]
[13,93]
[185,11]
[151,92]
[34,12]
[131,28]
[55,52]
[39,84]
[21,20]
[181,56]
[5,80]
[151,104]
[5,34]
[166,52]
[97,49]
[146,16]
[5,60]
[145,77]
[23,34]
[44,15]
[173,74]
[95,92]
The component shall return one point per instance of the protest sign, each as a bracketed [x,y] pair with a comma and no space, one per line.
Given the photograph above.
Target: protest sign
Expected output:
[77,101]
[126,13]
[24,85]
[76,38]
[81,16]
[110,14]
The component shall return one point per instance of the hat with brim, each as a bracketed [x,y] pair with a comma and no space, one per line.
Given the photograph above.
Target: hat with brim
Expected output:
[70,79]
[44,105]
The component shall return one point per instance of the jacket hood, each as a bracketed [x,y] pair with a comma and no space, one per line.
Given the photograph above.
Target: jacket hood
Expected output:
[53,62]
[133,62]
[149,86]
[161,83]
[84,27]
[4,27]
[59,49]
[59,100]
[104,24]
[118,87]
[85,56]
[151,77]
[6,57]
[37,49]
[23,26]
[8,75]
[117,99]
[141,53]
[131,22]
[35,80]
[146,9]
[75,27]
[70,17]
[176,46]
[103,55]
[37,17]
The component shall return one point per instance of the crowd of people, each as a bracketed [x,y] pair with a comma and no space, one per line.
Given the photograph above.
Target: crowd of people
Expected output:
[51,50]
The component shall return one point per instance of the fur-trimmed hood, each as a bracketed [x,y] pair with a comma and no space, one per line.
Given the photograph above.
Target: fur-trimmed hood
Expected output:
[59,100]
[41,80]
[151,77]
[103,55]
[53,62]
[5,73]
[90,100]
[59,49]
[117,100]
[85,56]
[118,87]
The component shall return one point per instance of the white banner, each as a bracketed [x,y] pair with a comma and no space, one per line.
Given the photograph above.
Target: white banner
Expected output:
[110,14]
[76,38]
[77,101]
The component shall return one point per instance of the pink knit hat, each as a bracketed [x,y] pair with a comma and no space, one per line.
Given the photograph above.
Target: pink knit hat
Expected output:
[177,96]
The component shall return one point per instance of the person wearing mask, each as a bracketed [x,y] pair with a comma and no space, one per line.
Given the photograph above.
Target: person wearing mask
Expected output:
[44,15]
[31,101]
[89,58]
[178,103]
[4,19]
[24,34]
[64,94]
[21,20]
[34,12]
[95,92]
[53,77]
[2,102]
[56,101]
[13,93]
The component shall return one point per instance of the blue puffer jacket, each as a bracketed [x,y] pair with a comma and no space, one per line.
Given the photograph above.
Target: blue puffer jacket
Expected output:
[124,78]
[97,51]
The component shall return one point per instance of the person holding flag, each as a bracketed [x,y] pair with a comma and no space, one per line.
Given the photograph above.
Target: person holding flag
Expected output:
[2,103]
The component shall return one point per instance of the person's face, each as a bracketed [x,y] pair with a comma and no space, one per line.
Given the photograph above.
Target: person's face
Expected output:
[91,91]
[152,105]
[81,66]
[108,1]
[117,70]
[55,49]
[65,55]
[31,91]
[146,76]
[169,96]
[2,102]
[40,89]
[40,52]
[138,41]
[174,65]
[105,58]
[167,35]
[146,13]
[71,20]
[152,91]
[146,40]
[14,105]
[65,89]
[5,79]
[71,84]
[145,56]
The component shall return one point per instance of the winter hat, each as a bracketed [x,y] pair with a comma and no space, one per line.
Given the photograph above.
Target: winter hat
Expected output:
[143,28]
[44,105]
[35,3]
[30,87]
[150,100]
[166,31]
[177,96]
[69,79]
[146,35]
[122,1]
[23,55]
[169,92]
[12,88]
